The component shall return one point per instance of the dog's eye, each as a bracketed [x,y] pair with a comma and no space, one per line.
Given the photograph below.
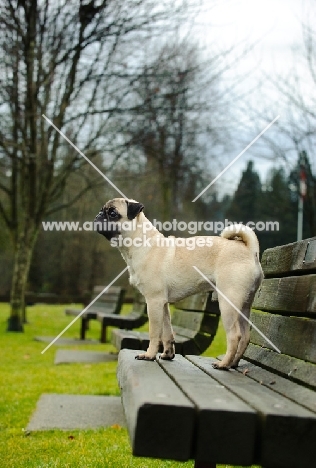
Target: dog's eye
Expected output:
[112,213]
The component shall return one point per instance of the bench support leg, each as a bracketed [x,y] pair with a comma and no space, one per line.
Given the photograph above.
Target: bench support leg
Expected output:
[103,334]
[201,464]
[84,327]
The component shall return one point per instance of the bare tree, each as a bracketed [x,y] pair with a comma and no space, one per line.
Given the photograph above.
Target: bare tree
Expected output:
[297,134]
[173,119]
[65,59]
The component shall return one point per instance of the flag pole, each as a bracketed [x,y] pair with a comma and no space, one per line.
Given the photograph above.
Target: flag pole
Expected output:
[300,218]
[301,195]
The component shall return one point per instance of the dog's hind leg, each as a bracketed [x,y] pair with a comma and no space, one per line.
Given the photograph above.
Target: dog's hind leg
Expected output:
[167,335]
[230,319]
[244,340]
[155,310]
[244,325]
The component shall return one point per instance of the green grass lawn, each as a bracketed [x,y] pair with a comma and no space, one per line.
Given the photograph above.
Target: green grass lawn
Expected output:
[25,374]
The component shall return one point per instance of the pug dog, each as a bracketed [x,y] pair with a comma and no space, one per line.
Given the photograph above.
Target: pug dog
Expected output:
[162,268]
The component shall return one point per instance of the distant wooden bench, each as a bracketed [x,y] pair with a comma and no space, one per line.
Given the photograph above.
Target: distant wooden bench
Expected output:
[134,319]
[194,320]
[110,303]
[262,413]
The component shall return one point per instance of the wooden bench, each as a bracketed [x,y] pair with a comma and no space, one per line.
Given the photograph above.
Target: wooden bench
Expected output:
[110,303]
[262,413]
[195,321]
[134,319]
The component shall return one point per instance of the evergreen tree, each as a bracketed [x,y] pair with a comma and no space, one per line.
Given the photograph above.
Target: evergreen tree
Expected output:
[245,205]
[277,205]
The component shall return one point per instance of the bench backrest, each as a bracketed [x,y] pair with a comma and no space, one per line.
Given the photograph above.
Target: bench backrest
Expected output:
[196,317]
[285,311]
[111,300]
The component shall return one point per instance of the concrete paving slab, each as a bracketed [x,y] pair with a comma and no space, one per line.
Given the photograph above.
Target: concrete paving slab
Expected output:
[70,412]
[68,356]
[64,341]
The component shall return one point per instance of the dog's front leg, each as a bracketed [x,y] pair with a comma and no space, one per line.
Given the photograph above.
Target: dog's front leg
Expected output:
[155,309]
[167,336]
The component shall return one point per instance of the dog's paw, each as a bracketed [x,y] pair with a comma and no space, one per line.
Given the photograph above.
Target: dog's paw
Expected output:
[145,357]
[166,356]
[217,365]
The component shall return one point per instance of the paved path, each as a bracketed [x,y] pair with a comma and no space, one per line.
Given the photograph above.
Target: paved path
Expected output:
[67,412]
[69,356]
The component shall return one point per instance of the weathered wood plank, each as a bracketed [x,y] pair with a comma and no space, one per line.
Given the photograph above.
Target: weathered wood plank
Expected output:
[194,332]
[199,302]
[296,369]
[292,390]
[295,294]
[110,290]
[195,345]
[195,321]
[291,257]
[223,420]
[123,339]
[292,335]
[105,309]
[183,332]
[288,430]
[89,314]
[129,321]
[110,302]
[160,418]
[201,341]
[107,298]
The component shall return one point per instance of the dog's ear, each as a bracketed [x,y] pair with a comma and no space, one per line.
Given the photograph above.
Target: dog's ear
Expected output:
[133,209]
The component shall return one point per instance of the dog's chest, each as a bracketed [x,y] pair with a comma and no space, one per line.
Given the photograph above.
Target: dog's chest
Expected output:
[134,278]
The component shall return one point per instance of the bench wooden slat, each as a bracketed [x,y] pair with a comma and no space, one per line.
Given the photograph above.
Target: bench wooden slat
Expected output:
[108,303]
[155,410]
[286,387]
[197,345]
[287,428]
[76,312]
[296,294]
[291,257]
[111,290]
[129,321]
[194,330]
[134,319]
[296,369]
[199,302]
[279,388]
[123,339]
[185,332]
[220,415]
[91,313]
[102,303]
[195,321]
[286,333]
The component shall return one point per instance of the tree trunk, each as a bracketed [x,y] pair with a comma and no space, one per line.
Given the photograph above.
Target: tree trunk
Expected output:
[22,260]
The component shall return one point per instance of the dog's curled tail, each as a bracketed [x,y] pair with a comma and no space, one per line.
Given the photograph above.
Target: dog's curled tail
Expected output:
[243,233]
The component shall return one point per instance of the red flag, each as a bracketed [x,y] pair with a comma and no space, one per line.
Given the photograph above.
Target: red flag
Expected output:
[303,182]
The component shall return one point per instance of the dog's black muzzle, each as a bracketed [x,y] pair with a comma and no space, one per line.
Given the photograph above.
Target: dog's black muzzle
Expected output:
[104,226]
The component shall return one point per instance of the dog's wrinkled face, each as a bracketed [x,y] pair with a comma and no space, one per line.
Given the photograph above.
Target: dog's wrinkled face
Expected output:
[114,213]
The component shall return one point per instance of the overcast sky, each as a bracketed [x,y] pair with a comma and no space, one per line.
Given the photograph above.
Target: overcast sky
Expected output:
[274,27]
